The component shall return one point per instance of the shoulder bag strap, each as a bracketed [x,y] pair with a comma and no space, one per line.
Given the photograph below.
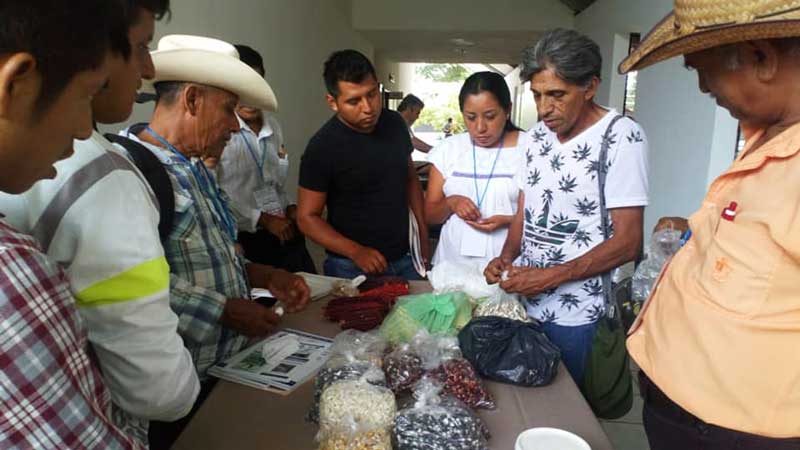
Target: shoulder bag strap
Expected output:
[602,173]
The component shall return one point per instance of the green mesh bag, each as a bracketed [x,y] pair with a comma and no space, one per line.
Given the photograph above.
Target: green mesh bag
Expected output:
[437,313]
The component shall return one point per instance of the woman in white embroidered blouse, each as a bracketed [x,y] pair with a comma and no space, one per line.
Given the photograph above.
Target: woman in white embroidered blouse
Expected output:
[472,187]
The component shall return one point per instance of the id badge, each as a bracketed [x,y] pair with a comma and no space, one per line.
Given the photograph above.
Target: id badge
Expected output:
[267,199]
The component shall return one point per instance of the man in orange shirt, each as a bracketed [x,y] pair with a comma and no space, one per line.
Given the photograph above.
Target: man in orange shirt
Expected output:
[717,341]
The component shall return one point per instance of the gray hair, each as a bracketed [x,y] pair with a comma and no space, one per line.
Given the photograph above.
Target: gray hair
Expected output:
[167,92]
[572,56]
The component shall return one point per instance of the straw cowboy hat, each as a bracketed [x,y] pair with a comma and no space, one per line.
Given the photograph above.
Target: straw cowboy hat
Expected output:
[696,25]
[210,62]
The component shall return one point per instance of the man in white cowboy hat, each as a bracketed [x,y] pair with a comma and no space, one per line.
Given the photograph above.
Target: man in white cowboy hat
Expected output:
[198,83]
[98,219]
[717,340]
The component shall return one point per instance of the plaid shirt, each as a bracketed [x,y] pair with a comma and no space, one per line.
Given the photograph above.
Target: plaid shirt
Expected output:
[51,395]
[205,269]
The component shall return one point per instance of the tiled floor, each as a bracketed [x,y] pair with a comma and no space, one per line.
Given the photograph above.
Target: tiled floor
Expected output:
[627,432]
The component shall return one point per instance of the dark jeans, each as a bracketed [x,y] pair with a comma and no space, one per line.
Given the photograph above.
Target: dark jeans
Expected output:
[344,268]
[162,435]
[265,248]
[575,344]
[670,427]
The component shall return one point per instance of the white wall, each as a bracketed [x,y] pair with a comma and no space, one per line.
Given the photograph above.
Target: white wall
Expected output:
[524,112]
[401,73]
[445,15]
[294,37]
[691,139]
[723,146]
[608,22]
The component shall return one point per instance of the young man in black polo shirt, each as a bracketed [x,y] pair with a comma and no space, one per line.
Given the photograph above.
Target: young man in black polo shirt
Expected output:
[359,166]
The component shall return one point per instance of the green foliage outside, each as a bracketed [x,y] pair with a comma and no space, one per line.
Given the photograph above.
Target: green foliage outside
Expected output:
[436,117]
[443,72]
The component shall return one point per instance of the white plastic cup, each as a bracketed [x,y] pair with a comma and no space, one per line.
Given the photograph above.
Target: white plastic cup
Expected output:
[549,439]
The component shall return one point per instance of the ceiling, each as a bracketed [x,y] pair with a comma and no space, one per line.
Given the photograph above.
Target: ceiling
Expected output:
[577,5]
[503,47]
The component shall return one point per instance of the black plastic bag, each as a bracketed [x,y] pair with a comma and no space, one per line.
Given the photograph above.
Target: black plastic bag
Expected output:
[510,351]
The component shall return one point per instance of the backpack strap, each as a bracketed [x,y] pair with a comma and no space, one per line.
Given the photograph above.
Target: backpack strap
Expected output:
[156,176]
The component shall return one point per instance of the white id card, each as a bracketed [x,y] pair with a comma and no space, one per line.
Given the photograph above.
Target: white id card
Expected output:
[268,200]
[473,242]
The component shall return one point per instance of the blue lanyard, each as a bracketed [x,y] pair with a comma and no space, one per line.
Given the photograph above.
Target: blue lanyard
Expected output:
[478,196]
[255,159]
[205,181]
[686,236]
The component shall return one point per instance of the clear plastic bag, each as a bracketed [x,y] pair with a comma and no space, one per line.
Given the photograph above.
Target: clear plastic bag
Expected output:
[503,305]
[663,245]
[403,368]
[357,370]
[454,277]
[434,349]
[356,438]
[437,422]
[348,288]
[462,382]
[443,361]
[356,415]
[353,345]
[354,355]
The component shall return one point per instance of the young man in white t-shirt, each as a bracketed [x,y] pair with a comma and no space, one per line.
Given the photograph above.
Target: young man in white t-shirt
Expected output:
[557,239]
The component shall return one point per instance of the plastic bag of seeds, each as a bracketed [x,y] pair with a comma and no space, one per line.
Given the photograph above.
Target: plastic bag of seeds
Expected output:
[355,437]
[342,370]
[442,360]
[433,421]
[510,351]
[433,349]
[503,305]
[354,345]
[438,314]
[403,368]
[448,276]
[462,382]
[356,415]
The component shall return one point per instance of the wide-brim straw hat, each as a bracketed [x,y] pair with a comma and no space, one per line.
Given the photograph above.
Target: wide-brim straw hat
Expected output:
[210,62]
[696,25]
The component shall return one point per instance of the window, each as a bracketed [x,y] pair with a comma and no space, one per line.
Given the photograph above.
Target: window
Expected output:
[630,79]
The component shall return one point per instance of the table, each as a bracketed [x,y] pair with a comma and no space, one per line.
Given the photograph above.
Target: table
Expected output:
[239,417]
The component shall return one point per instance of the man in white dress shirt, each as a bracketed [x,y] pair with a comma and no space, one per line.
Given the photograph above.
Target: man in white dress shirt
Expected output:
[252,171]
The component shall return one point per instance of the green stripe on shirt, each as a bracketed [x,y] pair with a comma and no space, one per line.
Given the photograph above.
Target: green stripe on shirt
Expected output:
[141,281]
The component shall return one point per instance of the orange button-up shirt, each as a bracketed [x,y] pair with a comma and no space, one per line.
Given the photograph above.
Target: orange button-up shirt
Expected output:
[720,334]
